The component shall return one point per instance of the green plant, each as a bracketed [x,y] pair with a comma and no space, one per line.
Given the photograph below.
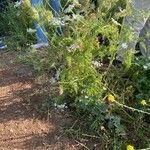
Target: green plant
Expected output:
[16,23]
[111,101]
[15,26]
[141,81]
[86,85]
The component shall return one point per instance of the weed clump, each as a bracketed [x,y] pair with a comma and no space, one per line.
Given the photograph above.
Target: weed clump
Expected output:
[112,102]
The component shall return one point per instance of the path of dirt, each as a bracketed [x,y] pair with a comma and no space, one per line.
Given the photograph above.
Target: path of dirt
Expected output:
[22,127]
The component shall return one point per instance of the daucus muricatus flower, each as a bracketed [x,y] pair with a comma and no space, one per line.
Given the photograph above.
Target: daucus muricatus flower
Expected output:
[124,45]
[66,18]
[130,147]
[57,74]
[104,88]
[115,22]
[72,6]
[111,98]
[53,80]
[97,64]
[143,102]
[146,66]
[73,47]
[18,3]
[31,30]
[57,21]
[77,17]
[76,3]
[60,106]
[69,9]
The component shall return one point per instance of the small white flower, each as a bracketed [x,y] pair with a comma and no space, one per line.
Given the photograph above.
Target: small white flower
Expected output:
[102,128]
[115,22]
[120,9]
[86,97]
[66,18]
[57,74]
[31,30]
[76,3]
[124,45]
[57,21]
[136,58]
[28,44]
[145,67]
[93,6]
[17,4]
[97,64]
[53,80]
[76,17]
[73,47]
[53,64]
[130,1]
[55,105]
[69,9]
[104,88]
[61,106]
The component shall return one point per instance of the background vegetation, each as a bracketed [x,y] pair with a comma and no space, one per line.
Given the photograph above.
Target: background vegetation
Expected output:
[111,100]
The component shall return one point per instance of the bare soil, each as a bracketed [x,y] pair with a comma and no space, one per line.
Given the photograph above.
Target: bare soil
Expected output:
[22,126]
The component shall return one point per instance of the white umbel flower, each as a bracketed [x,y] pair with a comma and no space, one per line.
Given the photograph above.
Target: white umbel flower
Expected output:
[115,22]
[73,47]
[124,45]
[31,30]
[145,67]
[18,3]
[69,9]
[57,21]
[97,64]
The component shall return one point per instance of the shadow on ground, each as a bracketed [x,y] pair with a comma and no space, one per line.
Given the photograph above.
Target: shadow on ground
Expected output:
[22,126]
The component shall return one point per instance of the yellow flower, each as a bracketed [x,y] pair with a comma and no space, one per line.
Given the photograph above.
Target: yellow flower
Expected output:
[111,98]
[130,147]
[143,102]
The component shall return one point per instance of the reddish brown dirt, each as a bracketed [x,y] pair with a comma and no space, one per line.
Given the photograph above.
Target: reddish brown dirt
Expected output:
[22,127]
